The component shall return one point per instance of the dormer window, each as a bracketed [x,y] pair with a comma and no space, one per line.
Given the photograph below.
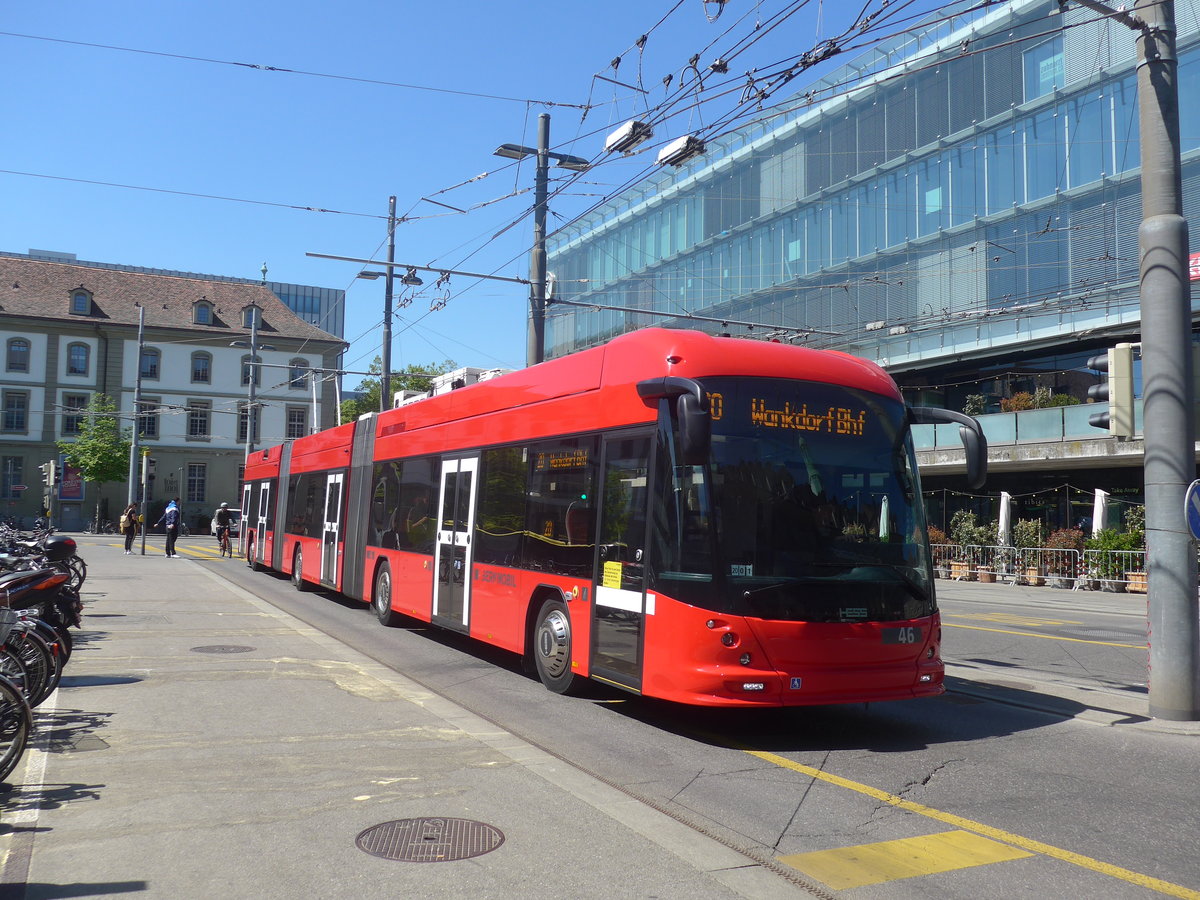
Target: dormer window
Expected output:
[202,312]
[248,316]
[81,302]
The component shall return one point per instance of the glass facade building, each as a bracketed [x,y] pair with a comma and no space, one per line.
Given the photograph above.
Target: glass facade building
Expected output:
[966,193]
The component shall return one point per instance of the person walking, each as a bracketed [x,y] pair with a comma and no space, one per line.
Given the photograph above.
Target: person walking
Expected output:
[129,526]
[222,518]
[170,519]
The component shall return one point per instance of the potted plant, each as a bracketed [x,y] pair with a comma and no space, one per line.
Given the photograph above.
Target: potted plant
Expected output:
[1065,545]
[941,550]
[1027,539]
[1135,523]
[973,538]
[1107,564]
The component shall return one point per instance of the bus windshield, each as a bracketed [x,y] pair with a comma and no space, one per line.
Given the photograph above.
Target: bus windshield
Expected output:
[812,506]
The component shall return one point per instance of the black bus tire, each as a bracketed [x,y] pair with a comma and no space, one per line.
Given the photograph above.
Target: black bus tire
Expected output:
[298,570]
[552,648]
[381,597]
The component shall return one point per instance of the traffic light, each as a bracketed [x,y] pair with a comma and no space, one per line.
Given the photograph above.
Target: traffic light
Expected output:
[1117,363]
[47,473]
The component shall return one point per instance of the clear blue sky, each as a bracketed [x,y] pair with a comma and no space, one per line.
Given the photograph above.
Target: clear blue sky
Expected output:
[176,118]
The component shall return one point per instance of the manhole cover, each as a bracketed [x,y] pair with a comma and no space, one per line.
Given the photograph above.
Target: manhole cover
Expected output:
[222,648]
[429,840]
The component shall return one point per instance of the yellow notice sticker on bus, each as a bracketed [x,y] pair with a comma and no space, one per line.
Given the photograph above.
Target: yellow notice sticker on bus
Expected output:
[612,575]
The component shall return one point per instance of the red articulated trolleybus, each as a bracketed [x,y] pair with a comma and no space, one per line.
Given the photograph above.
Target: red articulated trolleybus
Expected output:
[706,520]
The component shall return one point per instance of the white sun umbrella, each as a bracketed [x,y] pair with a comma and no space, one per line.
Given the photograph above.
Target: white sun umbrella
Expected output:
[1004,531]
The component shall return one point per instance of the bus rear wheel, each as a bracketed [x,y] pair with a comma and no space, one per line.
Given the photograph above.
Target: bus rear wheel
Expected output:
[381,599]
[552,648]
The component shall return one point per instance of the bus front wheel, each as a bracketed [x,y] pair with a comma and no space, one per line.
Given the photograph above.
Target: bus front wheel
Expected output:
[552,648]
[382,597]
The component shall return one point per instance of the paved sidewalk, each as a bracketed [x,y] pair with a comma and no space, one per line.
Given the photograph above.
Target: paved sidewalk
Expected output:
[206,744]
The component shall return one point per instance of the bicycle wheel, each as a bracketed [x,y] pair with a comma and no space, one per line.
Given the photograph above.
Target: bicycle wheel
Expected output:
[40,666]
[16,721]
[12,668]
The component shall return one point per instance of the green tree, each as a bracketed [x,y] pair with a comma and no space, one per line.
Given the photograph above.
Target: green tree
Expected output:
[101,449]
[414,377]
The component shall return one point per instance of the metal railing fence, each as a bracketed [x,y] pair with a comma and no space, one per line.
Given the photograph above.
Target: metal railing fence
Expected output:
[1042,566]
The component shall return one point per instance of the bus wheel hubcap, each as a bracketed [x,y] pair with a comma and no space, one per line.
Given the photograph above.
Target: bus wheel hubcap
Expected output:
[554,638]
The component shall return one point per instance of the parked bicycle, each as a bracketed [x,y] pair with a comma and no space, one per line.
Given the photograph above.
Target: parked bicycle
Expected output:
[105,527]
[16,716]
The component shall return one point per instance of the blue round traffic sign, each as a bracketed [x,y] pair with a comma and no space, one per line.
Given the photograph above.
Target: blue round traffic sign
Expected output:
[1191,509]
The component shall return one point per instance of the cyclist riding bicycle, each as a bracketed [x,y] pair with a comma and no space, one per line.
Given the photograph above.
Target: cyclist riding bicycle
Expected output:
[222,518]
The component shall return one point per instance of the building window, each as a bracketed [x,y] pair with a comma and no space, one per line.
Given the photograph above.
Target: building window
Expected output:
[78,356]
[1043,68]
[248,315]
[16,411]
[150,362]
[17,358]
[72,419]
[81,303]
[297,422]
[243,420]
[298,374]
[250,370]
[202,313]
[201,368]
[148,417]
[12,472]
[197,482]
[199,420]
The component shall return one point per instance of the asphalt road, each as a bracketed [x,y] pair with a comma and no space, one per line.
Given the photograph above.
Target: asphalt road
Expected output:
[1025,802]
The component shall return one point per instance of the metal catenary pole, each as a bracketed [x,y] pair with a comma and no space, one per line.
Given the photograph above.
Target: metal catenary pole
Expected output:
[251,406]
[1170,461]
[385,383]
[536,350]
[134,456]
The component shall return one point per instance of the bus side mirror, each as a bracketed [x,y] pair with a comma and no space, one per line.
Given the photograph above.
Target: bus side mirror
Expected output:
[970,432]
[695,430]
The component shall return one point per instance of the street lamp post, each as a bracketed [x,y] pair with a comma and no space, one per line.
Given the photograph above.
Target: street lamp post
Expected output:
[536,343]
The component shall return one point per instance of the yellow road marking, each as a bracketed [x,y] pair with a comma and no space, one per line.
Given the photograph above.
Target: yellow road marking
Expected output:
[851,867]
[1007,619]
[1048,637]
[1076,859]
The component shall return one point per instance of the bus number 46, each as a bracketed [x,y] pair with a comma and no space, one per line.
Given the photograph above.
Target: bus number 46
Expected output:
[908,634]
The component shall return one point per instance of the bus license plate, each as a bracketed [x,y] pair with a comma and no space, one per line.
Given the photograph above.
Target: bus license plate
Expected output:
[909,634]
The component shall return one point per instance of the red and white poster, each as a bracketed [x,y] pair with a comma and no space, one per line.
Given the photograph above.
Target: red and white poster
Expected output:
[71,486]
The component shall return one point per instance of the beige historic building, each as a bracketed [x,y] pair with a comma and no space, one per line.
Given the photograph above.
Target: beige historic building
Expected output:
[69,330]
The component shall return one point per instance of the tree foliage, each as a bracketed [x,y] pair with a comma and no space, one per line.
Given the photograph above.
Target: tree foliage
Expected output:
[101,449]
[414,377]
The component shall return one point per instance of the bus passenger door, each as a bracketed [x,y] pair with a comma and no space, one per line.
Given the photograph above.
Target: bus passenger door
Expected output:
[332,530]
[261,534]
[620,585]
[452,554]
[245,521]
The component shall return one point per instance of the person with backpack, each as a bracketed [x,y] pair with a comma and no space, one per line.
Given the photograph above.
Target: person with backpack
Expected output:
[129,526]
[170,520]
[222,519]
